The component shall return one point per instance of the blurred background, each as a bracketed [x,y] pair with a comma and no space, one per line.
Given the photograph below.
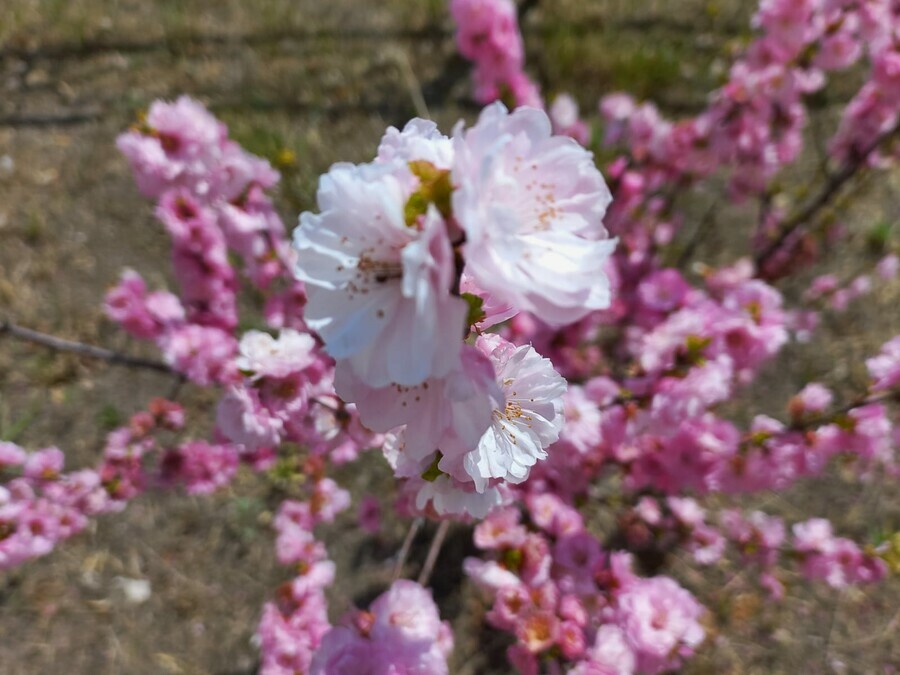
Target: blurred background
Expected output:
[175,584]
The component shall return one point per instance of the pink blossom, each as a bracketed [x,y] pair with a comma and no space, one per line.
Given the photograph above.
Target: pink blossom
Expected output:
[884,369]
[813,398]
[401,633]
[379,291]
[205,355]
[369,514]
[888,267]
[243,419]
[609,655]
[204,468]
[261,355]
[531,207]
[660,621]
[11,455]
[528,423]
[566,120]
[144,315]
[44,464]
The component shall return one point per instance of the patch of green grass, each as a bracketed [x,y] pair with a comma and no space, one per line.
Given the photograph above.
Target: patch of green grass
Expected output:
[12,431]
[34,229]
[647,69]
[879,237]
[110,417]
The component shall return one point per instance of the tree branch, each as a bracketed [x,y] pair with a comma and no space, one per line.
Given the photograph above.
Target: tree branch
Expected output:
[832,187]
[407,545]
[433,552]
[62,345]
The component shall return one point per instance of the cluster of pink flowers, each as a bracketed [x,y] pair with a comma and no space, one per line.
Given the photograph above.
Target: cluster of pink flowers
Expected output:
[211,198]
[875,110]
[292,627]
[41,505]
[487,33]
[436,239]
[287,395]
[753,125]
[401,632]
[758,538]
[571,604]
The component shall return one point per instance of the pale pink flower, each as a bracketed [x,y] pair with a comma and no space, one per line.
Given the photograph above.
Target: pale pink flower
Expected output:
[379,290]
[420,140]
[813,398]
[445,497]
[203,467]
[401,633]
[660,620]
[567,121]
[244,420]
[203,354]
[261,355]
[458,405]
[884,369]
[532,206]
[609,655]
[529,421]
[489,575]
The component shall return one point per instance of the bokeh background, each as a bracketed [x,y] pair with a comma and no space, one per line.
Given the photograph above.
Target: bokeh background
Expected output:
[306,83]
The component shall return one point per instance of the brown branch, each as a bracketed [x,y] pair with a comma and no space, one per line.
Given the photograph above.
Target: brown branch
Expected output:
[829,191]
[433,552]
[832,415]
[90,351]
[407,545]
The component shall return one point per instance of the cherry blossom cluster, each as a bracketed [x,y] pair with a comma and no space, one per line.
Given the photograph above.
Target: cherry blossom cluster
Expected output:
[286,395]
[754,122]
[292,627]
[573,605]
[414,255]
[211,199]
[759,539]
[401,632]
[42,505]
[753,126]
[487,33]
[827,290]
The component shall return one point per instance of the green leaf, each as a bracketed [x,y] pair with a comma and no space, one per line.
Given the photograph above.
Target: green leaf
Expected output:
[432,473]
[476,308]
[435,187]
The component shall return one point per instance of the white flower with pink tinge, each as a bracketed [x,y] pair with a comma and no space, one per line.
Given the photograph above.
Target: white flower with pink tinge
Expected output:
[493,418]
[378,289]
[532,205]
[528,422]
[265,356]
[458,405]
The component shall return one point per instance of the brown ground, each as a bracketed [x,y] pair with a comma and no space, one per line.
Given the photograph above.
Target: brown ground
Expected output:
[323,79]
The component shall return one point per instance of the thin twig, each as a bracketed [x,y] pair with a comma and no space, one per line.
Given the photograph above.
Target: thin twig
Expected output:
[62,345]
[433,551]
[830,416]
[412,84]
[50,120]
[407,545]
[829,191]
[702,228]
